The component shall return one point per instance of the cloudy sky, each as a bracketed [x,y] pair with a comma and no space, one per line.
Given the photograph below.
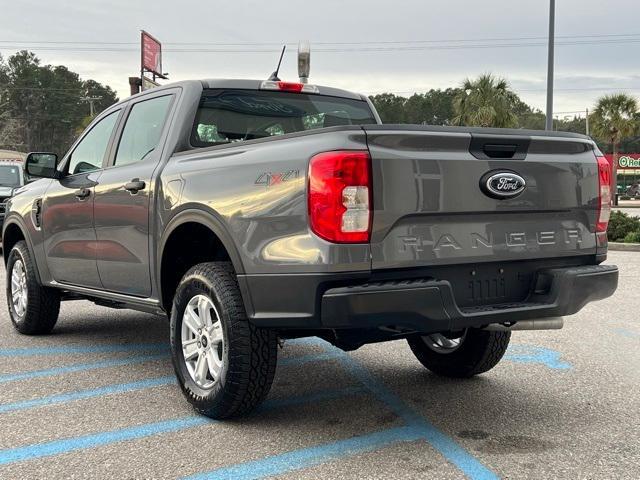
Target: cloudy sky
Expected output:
[369,46]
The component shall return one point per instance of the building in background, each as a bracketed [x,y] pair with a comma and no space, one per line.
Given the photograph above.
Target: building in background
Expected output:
[628,172]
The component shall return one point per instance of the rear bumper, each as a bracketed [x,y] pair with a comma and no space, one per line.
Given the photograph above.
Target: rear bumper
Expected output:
[424,305]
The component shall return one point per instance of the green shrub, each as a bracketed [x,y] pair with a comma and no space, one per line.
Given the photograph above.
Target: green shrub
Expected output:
[620,225]
[632,237]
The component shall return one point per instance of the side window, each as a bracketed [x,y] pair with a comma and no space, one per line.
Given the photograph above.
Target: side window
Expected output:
[89,153]
[142,131]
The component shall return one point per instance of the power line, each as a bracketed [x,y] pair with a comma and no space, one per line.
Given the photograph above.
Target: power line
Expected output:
[372,42]
[378,49]
[596,89]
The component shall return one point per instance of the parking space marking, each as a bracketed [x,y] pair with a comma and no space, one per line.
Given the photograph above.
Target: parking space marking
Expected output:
[71,349]
[444,444]
[83,394]
[49,372]
[626,333]
[67,445]
[57,447]
[417,427]
[520,353]
[310,457]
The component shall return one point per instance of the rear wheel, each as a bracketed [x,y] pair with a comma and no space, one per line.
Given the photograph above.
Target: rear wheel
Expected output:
[33,308]
[462,354]
[225,365]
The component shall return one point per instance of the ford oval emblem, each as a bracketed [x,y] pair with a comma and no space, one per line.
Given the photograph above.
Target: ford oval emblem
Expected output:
[502,184]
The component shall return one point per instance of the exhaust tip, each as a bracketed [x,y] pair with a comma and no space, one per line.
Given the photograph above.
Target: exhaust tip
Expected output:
[552,323]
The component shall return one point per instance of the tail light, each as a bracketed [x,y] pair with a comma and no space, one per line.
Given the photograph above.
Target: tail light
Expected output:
[604,204]
[288,86]
[340,196]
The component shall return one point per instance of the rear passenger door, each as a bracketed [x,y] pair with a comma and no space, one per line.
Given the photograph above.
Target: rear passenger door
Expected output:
[125,194]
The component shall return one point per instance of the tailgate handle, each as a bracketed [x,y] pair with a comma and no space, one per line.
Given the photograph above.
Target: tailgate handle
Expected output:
[493,150]
[490,146]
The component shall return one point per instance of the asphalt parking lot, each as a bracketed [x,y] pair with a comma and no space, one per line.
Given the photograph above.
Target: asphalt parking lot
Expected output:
[97,399]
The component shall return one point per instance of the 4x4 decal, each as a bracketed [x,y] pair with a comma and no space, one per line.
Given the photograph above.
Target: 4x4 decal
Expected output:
[273,178]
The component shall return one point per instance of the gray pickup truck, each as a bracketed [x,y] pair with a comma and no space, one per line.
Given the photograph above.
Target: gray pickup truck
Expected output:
[251,212]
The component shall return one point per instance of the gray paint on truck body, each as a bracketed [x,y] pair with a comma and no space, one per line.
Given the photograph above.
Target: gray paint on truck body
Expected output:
[428,208]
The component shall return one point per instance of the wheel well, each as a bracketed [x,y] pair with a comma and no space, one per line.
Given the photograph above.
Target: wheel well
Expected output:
[12,235]
[189,244]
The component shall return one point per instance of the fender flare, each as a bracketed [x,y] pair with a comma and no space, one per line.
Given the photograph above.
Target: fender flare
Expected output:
[209,219]
[18,222]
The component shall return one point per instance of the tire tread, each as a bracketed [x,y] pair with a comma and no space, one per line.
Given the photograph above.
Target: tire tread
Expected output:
[43,304]
[252,350]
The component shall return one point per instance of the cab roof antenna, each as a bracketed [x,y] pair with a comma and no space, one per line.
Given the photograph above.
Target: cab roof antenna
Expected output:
[274,75]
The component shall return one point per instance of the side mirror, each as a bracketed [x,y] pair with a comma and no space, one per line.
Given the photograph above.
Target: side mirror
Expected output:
[42,165]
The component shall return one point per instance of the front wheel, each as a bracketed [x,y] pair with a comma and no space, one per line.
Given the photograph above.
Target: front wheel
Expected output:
[224,364]
[460,355]
[33,308]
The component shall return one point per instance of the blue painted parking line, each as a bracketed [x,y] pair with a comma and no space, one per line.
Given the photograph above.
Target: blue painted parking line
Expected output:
[417,428]
[58,447]
[71,349]
[627,333]
[441,442]
[67,445]
[531,354]
[12,377]
[83,394]
[310,457]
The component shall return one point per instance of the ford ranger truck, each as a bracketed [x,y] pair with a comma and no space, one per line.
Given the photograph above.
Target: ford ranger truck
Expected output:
[252,212]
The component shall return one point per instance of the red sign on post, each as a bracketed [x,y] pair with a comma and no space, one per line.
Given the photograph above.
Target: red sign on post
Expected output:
[151,54]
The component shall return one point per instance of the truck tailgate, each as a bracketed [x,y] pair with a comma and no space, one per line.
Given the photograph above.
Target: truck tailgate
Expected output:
[430,207]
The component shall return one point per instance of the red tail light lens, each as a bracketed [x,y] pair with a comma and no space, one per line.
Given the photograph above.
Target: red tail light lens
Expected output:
[290,86]
[340,196]
[604,204]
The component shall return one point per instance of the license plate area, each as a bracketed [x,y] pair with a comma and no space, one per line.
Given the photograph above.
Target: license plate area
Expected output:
[486,288]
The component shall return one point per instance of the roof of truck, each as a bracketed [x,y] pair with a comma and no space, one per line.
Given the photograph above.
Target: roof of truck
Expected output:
[244,84]
[12,155]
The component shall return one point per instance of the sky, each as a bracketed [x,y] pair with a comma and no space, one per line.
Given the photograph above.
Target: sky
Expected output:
[368,46]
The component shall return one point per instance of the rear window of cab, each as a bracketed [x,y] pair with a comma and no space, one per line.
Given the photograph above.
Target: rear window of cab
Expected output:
[226,116]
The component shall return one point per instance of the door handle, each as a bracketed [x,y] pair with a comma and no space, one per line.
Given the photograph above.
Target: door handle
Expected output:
[135,185]
[82,193]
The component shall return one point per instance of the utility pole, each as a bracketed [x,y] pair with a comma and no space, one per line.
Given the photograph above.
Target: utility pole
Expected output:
[587,121]
[552,20]
[91,100]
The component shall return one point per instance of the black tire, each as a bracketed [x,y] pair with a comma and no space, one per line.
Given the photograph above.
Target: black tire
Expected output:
[43,303]
[479,352]
[249,353]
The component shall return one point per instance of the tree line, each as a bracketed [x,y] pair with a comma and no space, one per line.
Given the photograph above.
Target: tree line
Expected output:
[488,101]
[42,106]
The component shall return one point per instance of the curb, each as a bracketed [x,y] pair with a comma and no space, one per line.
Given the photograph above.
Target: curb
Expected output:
[624,247]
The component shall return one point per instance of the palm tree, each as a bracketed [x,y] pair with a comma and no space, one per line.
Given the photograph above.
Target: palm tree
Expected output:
[485,102]
[614,118]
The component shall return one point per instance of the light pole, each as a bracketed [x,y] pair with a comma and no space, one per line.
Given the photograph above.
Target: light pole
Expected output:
[552,18]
